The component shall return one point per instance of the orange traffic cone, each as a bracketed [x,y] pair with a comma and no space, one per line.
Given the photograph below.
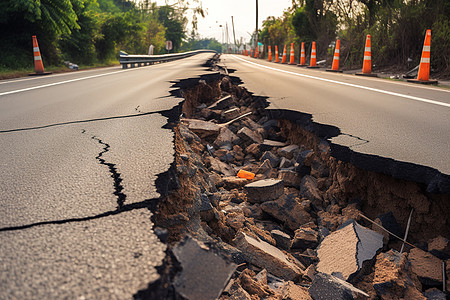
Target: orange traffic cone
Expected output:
[283,60]
[312,62]
[277,58]
[270,54]
[424,68]
[292,56]
[256,51]
[335,65]
[251,52]
[367,62]
[38,65]
[302,56]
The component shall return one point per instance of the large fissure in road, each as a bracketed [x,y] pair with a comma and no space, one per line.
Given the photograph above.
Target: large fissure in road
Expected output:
[303,191]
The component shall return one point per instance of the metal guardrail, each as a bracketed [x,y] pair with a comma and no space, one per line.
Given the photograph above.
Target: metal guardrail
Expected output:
[144,60]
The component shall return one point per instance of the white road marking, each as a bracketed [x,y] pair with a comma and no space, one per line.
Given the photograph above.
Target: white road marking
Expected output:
[63,82]
[348,84]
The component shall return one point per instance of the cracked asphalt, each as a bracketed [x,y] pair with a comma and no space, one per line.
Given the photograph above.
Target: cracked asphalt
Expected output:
[78,163]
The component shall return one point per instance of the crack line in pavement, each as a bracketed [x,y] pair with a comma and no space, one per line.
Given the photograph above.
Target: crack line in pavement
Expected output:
[162,112]
[148,204]
[118,187]
[363,141]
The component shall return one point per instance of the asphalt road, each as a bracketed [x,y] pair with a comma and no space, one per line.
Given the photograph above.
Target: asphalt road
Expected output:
[405,124]
[62,140]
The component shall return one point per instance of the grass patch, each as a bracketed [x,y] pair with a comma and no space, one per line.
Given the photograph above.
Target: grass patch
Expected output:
[6,73]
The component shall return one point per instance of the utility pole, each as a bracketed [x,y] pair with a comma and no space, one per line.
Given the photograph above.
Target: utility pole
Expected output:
[234,35]
[256,38]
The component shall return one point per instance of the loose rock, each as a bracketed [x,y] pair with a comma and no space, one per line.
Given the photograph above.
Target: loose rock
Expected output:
[325,287]
[264,190]
[264,255]
[426,266]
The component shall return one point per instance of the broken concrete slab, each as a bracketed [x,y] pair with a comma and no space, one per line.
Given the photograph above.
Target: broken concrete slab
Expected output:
[344,251]
[226,136]
[288,210]
[282,239]
[426,266]
[202,128]
[290,178]
[325,287]
[264,255]
[286,163]
[435,294]
[440,247]
[310,191]
[249,135]
[222,103]
[205,280]
[264,190]
[289,151]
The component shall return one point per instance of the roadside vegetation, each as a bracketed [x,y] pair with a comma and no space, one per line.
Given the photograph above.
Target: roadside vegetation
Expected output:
[397,28]
[91,32]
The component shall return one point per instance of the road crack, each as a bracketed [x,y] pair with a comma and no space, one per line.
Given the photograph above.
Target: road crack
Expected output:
[118,187]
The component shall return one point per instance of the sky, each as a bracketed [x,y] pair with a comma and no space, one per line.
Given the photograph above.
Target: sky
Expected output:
[219,12]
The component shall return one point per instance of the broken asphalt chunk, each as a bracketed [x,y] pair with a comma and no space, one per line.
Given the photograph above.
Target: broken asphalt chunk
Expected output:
[264,190]
[204,274]
[325,287]
[202,128]
[427,267]
[344,251]
[264,255]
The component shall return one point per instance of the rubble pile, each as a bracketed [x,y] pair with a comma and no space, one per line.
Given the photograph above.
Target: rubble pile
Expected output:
[286,233]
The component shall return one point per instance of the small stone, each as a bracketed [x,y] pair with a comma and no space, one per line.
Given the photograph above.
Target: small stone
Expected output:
[204,280]
[266,256]
[309,190]
[264,190]
[220,167]
[325,287]
[202,128]
[426,266]
[247,134]
[274,160]
[283,240]
[345,250]
[238,293]
[289,151]
[288,210]
[305,237]
[226,136]
[253,149]
[290,178]
[252,286]
[233,182]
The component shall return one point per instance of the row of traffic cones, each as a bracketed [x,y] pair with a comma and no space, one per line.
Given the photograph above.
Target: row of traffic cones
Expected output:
[422,76]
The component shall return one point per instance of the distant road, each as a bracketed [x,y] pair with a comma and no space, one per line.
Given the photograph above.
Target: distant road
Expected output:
[62,140]
[407,125]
